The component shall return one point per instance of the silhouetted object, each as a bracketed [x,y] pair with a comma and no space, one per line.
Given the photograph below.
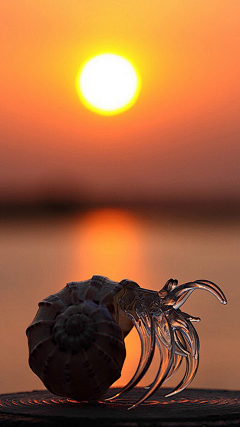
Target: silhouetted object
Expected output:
[76,340]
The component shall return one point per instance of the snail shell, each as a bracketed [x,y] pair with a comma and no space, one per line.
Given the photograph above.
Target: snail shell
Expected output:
[76,340]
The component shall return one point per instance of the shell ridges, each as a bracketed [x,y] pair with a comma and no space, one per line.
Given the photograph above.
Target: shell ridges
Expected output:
[75,345]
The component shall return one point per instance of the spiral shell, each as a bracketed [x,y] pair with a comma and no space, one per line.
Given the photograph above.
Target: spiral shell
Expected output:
[76,340]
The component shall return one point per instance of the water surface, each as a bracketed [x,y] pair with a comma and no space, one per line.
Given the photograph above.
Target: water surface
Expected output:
[40,254]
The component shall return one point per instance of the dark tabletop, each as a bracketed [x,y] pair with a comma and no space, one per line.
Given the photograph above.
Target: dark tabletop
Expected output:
[193,407]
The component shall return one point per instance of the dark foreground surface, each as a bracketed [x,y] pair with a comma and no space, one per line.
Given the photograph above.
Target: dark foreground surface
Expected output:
[191,408]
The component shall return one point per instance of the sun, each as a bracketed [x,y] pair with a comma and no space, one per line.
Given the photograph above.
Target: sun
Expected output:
[108,84]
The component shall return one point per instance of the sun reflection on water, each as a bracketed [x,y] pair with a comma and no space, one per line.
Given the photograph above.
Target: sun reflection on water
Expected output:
[109,244]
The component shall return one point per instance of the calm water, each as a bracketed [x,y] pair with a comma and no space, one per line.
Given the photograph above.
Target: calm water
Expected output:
[38,256]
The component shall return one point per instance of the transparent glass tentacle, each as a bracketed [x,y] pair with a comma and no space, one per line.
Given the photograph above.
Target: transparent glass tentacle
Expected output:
[166,358]
[192,362]
[175,366]
[147,339]
[159,321]
[182,292]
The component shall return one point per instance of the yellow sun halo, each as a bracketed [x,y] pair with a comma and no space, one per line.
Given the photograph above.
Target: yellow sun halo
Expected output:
[108,84]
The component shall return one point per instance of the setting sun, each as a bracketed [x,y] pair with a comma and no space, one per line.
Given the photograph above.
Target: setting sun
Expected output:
[108,84]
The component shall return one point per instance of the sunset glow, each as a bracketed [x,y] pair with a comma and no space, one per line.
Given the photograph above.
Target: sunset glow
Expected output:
[108,84]
[120,156]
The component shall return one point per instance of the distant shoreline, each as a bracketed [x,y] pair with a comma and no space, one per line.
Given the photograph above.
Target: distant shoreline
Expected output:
[218,210]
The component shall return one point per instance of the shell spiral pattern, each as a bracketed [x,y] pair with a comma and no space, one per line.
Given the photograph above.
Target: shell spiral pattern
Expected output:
[76,340]
[75,345]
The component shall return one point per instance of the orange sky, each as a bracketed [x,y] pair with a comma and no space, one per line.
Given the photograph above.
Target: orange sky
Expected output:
[180,139]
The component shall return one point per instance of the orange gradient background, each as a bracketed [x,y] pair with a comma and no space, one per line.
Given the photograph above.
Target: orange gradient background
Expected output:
[179,139]
[178,146]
